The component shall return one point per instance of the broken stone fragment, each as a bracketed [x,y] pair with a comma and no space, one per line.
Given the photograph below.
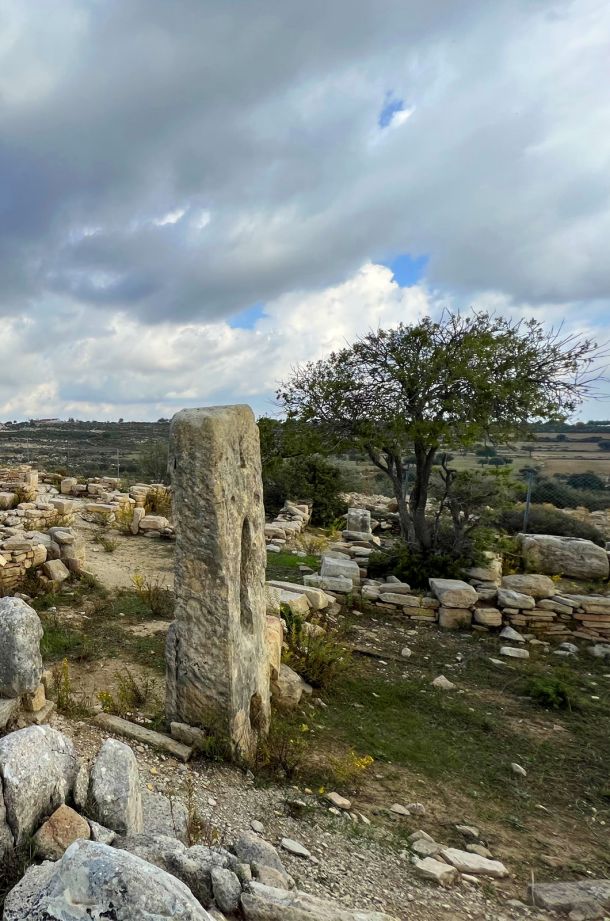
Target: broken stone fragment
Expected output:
[60,830]
[114,798]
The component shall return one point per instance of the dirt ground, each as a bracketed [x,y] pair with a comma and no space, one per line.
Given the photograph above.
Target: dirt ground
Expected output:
[545,828]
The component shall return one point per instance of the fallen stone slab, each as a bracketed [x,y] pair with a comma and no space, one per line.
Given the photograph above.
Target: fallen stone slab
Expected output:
[264,903]
[536,585]
[156,740]
[437,870]
[318,599]
[566,897]
[466,862]
[512,653]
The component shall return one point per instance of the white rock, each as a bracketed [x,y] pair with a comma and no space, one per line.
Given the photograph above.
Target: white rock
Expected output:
[294,847]
[443,683]
[474,863]
[517,769]
[436,870]
[115,800]
[512,653]
[335,799]
[453,593]
[508,633]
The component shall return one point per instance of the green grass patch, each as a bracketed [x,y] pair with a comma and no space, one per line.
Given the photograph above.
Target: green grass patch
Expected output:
[284,567]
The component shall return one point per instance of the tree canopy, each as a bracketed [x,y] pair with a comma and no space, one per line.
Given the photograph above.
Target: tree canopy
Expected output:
[436,385]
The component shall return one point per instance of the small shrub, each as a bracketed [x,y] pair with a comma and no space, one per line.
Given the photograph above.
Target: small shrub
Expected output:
[320,659]
[123,517]
[109,544]
[65,699]
[415,568]
[132,694]
[155,595]
[159,502]
[281,754]
[348,769]
[552,693]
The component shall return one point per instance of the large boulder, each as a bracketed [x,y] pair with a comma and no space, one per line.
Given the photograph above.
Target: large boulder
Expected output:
[38,766]
[20,659]
[193,865]
[165,816]
[93,880]
[564,556]
[114,797]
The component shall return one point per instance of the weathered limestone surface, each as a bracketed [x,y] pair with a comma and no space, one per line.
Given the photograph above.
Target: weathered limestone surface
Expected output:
[38,767]
[20,659]
[97,881]
[114,797]
[566,556]
[217,667]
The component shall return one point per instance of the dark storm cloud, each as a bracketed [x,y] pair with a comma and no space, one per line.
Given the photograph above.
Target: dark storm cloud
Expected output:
[260,121]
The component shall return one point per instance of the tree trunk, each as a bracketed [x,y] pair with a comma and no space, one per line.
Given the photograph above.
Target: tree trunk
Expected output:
[424,459]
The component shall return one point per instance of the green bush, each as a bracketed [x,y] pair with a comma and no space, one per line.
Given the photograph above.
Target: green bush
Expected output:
[304,479]
[560,493]
[416,568]
[544,520]
[552,693]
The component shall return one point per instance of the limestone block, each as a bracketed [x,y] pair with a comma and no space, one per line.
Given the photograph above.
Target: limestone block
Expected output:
[566,556]
[454,618]
[7,500]
[36,700]
[488,617]
[453,593]
[490,570]
[288,688]
[114,798]
[318,599]
[507,598]
[359,519]
[39,766]
[340,584]
[67,485]
[466,862]
[164,816]
[333,567]
[138,515]
[153,523]
[217,667]
[536,585]
[264,903]
[56,571]
[60,830]
[8,709]
[20,659]
[272,599]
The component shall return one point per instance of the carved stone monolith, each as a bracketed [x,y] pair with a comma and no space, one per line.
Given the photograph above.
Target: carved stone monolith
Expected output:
[217,666]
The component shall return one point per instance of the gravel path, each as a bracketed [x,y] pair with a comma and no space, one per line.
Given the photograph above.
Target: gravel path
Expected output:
[352,864]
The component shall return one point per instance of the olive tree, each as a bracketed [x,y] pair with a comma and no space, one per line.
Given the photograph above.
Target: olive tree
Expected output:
[435,385]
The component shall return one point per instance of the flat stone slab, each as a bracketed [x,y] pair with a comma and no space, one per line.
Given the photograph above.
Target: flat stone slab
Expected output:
[147,736]
[568,896]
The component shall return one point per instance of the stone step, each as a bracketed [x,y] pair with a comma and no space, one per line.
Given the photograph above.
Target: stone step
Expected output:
[147,736]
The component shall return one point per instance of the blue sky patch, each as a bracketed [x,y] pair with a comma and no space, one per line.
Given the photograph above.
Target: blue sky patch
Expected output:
[248,318]
[407,269]
[391,106]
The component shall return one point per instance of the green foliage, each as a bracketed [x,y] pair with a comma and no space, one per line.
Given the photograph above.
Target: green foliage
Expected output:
[415,567]
[154,593]
[552,693]
[452,382]
[587,481]
[132,694]
[109,544]
[65,698]
[310,479]
[560,493]
[159,502]
[545,520]
[319,658]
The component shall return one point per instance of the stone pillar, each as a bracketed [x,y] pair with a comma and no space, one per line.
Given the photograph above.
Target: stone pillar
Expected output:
[217,665]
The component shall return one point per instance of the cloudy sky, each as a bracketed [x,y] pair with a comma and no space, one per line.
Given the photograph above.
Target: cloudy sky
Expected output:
[198,194]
